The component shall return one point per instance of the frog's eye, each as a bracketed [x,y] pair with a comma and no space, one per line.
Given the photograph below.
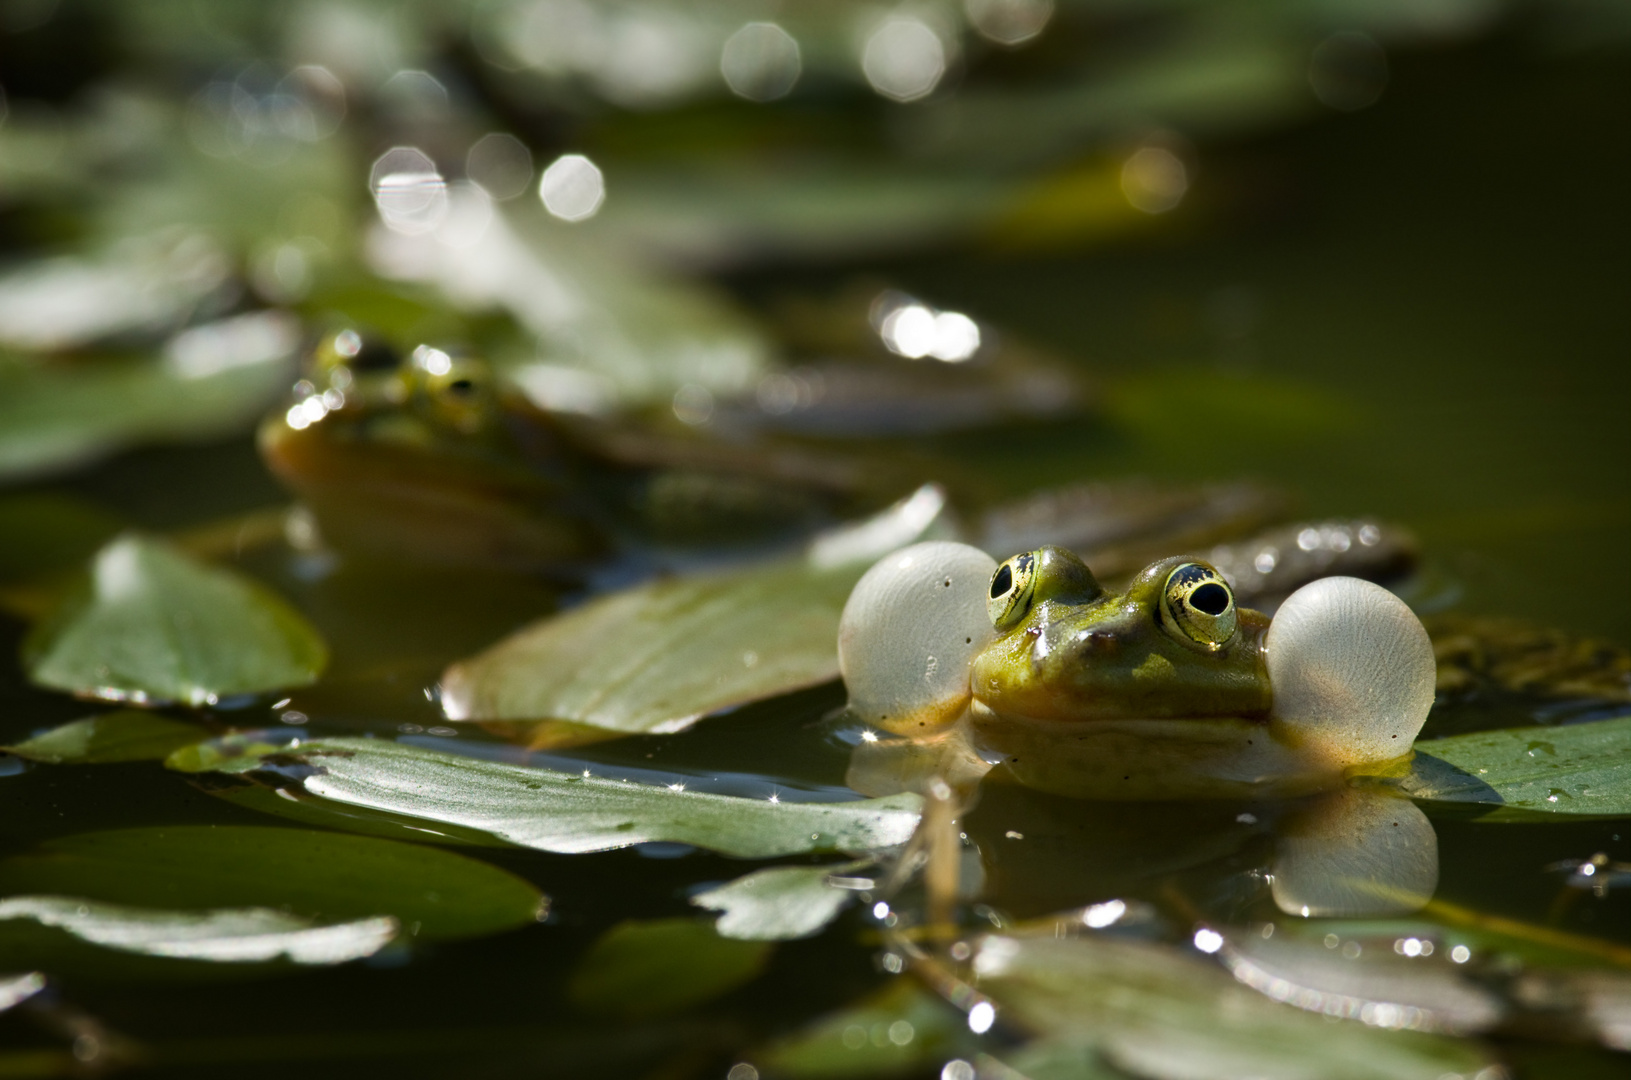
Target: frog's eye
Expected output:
[1012,588]
[1199,603]
[457,390]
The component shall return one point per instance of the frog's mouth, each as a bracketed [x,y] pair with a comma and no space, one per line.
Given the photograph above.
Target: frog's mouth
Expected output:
[1149,758]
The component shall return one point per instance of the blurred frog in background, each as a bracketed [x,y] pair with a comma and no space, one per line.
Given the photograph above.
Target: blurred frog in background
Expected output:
[429,457]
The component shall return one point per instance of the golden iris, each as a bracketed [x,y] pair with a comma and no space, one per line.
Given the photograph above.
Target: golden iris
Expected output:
[1198,606]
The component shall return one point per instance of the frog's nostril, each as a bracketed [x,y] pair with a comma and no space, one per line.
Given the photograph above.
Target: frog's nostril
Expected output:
[1097,643]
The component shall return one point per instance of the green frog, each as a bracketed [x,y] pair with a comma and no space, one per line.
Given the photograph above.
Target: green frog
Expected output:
[427,457]
[1167,688]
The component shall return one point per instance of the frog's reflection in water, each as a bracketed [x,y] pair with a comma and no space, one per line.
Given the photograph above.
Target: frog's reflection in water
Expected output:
[1348,852]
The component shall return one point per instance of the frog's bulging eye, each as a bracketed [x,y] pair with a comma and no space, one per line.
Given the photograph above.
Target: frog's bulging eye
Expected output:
[1012,588]
[1199,605]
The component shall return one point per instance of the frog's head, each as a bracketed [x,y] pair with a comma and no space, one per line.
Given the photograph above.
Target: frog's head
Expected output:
[1166,687]
[422,455]
[1172,645]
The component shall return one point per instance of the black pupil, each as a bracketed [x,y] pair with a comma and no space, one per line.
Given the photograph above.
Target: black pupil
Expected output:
[374,356]
[1002,582]
[1211,598]
[461,386]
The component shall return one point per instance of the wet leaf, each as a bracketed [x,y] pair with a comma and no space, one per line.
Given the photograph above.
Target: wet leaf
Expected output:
[222,936]
[126,735]
[657,657]
[1158,1013]
[1531,774]
[777,904]
[662,966]
[149,624]
[321,876]
[570,813]
[901,1028]
[213,380]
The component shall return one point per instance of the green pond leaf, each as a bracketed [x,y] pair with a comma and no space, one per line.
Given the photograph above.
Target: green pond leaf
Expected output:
[150,624]
[777,904]
[1537,773]
[212,380]
[1160,1013]
[150,284]
[229,935]
[900,1029]
[662,966]
[1488,940]
[126,735]
[657,657]
[16,989]
[571,813]
[319,876]
[1055,1059]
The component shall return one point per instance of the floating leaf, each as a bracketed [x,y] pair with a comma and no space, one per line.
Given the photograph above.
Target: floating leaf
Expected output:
[657,657]
[323,876]
[126,735]
[777,904]
[652,968]
[902,1028]
[565,812]
[232,935]
[1489,940]
[213,380]
[1057,1059]
[1379,986]
[150,624]
[50,305]
[1541,772]
[1155,1012]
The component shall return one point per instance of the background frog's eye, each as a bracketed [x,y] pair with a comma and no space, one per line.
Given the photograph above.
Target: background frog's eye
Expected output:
[1012,585]
[456,391]
[1200,605]
[372,354]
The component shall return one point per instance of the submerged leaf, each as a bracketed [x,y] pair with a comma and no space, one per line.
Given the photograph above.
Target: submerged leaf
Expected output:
[661,966]
[778,904]
[149,624]
[1530,773]
[657,657]
[564,812]
[228,935]
[126,735]
[1156,1012]
[900,1029]
[318,876]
